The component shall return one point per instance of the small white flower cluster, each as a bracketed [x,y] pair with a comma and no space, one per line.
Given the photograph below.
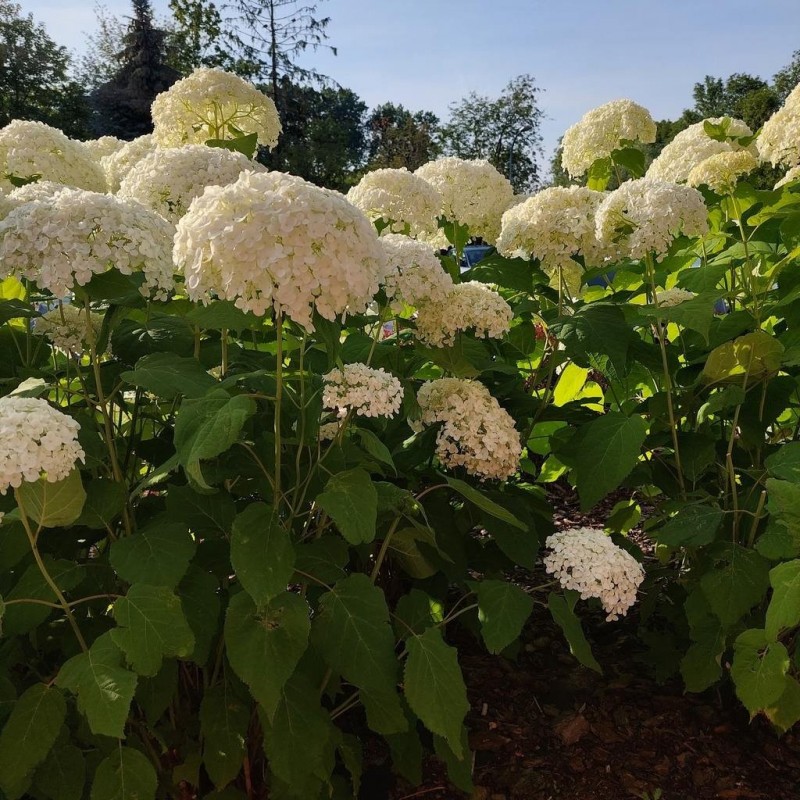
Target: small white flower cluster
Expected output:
[553,226]
[213,104]
[473,193]
[6,204]
[587,561]
[65,327]
[792,175]
[35,439]
[31,149]
[272,240]
[363,390]
[644,216]
[67,238]
[40,190]
[398,197]
[168,179]
[601,131]
[471,305]
[476,434]
[415,275]
[722,171]
[673,297]
[779,140]
[102,147]
[693,145]
[117,165]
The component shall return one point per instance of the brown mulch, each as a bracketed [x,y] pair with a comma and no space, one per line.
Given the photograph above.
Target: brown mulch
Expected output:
[545,728]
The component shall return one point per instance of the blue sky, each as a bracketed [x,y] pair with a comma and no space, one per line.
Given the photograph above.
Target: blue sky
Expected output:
[427,53]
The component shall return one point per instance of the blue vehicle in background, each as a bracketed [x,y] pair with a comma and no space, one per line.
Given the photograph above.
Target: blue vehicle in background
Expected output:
[473,254]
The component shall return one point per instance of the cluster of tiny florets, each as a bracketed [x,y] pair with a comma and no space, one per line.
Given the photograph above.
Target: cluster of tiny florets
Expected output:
[35,440]
[65,327]
[667,298]
[601,131]
[272,240]
[467,306]
[553,226]
[644,216]
[213,104]
[399,199]
[473,193]
[779,140]
[476,432]
[587,561]
[365,391]
[414,273]
[35,151]
[117,165]
[722,171]
[104,146]
[168,179]
[792,175]
[65,239]
[693,145]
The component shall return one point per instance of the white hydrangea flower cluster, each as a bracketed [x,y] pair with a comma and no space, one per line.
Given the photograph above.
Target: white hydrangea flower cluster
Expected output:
[213,104]
[667,298]
[67,238]
[401,199]
[7,204]
[41,190]
[473,193]
[117,165]
[644,216]
[779,140]
[363,390]
[722,171]
[693,145]
[601,131]
[168,179]
[35,440]
[553,226]
[104,146]
[792,175]
[476,434]
[30,149]
[272,240]
[415,275]
[466,305]
[587,561]
[65,327]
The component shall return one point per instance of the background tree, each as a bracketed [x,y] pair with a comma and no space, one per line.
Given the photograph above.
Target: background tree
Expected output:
[741,95]
[398,137]
[786,79]
[323,138]
[121,105]
[505,130]
[34,81]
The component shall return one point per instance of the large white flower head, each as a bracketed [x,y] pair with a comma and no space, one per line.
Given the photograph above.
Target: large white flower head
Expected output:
[645,215]
[587,561]
[213,104]
[35,440]
[117,165]
[65,327]
[64,240]
[104,146]
[35,150]
[40,190]
[272,240]
[467,306]
[168,179]
[415,275]
[399,199]
[693,145]
[721,172]
[473,193]
[601,131]
[553,226]
[779,140]
[476,434]
[792,175]
[365,391]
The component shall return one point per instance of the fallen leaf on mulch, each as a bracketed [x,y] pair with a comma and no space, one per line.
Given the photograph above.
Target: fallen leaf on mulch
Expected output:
[572,729]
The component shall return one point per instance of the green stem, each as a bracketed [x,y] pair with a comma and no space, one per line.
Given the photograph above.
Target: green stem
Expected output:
[384,549]
[276,489]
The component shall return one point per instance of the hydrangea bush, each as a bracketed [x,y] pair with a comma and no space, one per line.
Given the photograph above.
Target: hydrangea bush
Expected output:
[268,460]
